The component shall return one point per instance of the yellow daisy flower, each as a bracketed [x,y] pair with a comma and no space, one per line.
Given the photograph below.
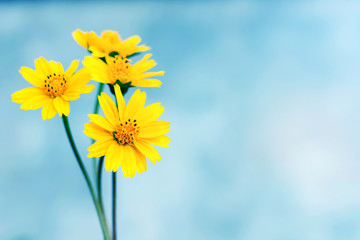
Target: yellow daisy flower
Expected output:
[126,133]
[119,69]
[54,87]
[108,42]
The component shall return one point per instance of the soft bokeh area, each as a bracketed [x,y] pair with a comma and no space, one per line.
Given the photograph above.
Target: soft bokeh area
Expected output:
[263,99]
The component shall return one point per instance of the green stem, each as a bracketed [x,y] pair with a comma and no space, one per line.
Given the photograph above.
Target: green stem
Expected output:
[114,205]
[87,179]
[99,191]
[98,184]
[98,169]
[96,110]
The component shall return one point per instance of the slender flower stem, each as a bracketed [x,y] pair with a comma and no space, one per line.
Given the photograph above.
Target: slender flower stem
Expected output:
[87,179]
[96,110]
[98,169]
[114,205]
[98,183]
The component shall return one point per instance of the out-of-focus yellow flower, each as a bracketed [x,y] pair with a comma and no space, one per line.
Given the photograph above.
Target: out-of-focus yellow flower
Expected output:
[54,87]
[108,42]
[126,133]
[119,69]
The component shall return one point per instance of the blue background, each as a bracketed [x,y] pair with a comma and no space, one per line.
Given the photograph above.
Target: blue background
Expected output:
[263,99]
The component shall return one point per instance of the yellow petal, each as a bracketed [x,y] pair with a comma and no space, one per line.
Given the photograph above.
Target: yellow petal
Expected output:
[102,122]
[128,165]
[74,92]
[146,83]
[143,65]
[62,106]
[59,67]
[114,157]
[99,51]
[144,59]
[80,38]
[161,141]
[97,68]
[71,95]
[88,88]
[93,62]
[141,49]
[79,79]
[43,66]
[112,36]
[99,148]
[135,104]
[134,40]
[109,108]
[100,77]
[48,111]
[158,123]
[73,66]
[79,90]
[32,76]
[120,101]
[151,74]
[35,102]
[151,131]
[95,132]
[85,39]
[54,67]
[27,93]
[149,151]
[31,98]
[151,112]
[140,161]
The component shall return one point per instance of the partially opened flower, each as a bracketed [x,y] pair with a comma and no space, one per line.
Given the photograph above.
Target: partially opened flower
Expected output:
[126,134]
[54,87]
[120,69]
[108,42]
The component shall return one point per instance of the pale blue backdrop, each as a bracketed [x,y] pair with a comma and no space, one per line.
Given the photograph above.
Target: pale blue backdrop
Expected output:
[263,99]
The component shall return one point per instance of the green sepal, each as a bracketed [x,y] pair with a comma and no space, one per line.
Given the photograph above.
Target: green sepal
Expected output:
[103,59]
[88,46]
[113,54]
[124,87]
[133,55]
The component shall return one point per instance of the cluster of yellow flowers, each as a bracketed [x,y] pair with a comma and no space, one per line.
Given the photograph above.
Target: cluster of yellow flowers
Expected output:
[127,133]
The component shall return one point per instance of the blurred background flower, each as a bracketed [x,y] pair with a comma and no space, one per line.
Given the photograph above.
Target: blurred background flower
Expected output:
[263,102]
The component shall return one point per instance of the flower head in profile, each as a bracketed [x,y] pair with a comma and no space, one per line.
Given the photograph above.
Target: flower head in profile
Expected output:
[53,87]
[127,132]
[108,42]
[120,69]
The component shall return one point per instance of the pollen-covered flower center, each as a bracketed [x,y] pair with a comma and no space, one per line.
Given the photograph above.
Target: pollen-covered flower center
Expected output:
[126,132]
[55,85]
[118,69]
